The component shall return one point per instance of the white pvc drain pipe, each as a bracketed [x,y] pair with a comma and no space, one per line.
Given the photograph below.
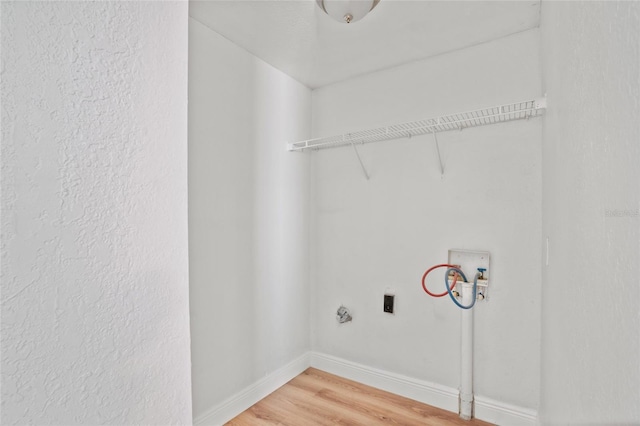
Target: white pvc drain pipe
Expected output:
[466,354]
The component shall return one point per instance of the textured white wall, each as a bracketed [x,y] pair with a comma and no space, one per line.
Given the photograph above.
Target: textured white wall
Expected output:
[95,323]
[248,212]
[591,196]
[384,233]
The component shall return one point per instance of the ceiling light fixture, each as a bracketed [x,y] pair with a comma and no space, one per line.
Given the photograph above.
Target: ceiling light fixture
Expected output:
[347,10]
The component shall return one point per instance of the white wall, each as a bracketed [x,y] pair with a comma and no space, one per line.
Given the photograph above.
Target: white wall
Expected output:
[248,226]
[382,234]
[95,324]
[591,190]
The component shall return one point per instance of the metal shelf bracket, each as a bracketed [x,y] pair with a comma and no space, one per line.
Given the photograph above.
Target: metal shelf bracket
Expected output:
[435,138]
[364,170]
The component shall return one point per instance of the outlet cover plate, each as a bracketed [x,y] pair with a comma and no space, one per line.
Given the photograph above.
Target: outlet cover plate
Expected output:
[389,302]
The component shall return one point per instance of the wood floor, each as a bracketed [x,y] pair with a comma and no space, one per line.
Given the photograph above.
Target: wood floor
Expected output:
[319,398]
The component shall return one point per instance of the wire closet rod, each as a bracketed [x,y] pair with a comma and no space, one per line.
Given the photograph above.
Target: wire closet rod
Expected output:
[459,121]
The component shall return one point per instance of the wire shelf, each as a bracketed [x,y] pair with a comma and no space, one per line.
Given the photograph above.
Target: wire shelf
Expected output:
[445,123]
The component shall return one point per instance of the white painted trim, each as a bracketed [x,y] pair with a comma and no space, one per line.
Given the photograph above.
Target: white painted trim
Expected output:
[244,399]
[430,393]
[434,394]
[499,413]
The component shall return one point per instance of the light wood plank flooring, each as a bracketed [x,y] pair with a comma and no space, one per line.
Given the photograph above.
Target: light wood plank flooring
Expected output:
[319,398]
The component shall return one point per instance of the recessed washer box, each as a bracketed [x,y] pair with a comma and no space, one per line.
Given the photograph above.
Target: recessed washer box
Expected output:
[470,261]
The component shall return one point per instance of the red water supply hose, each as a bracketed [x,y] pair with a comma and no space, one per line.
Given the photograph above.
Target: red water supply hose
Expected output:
[424,278]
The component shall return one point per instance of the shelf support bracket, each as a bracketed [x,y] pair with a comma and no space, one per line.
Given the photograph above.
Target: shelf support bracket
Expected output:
[435,138]
[366,175]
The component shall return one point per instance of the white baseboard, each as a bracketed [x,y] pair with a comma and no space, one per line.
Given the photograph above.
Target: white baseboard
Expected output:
[244,399]
[429,393]
[499,413]
[436,395]
[433,394]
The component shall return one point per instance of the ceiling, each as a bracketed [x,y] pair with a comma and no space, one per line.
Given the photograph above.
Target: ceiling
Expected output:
[300,40]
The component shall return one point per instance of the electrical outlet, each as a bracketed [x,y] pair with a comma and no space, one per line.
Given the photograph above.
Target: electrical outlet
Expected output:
[388,303]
